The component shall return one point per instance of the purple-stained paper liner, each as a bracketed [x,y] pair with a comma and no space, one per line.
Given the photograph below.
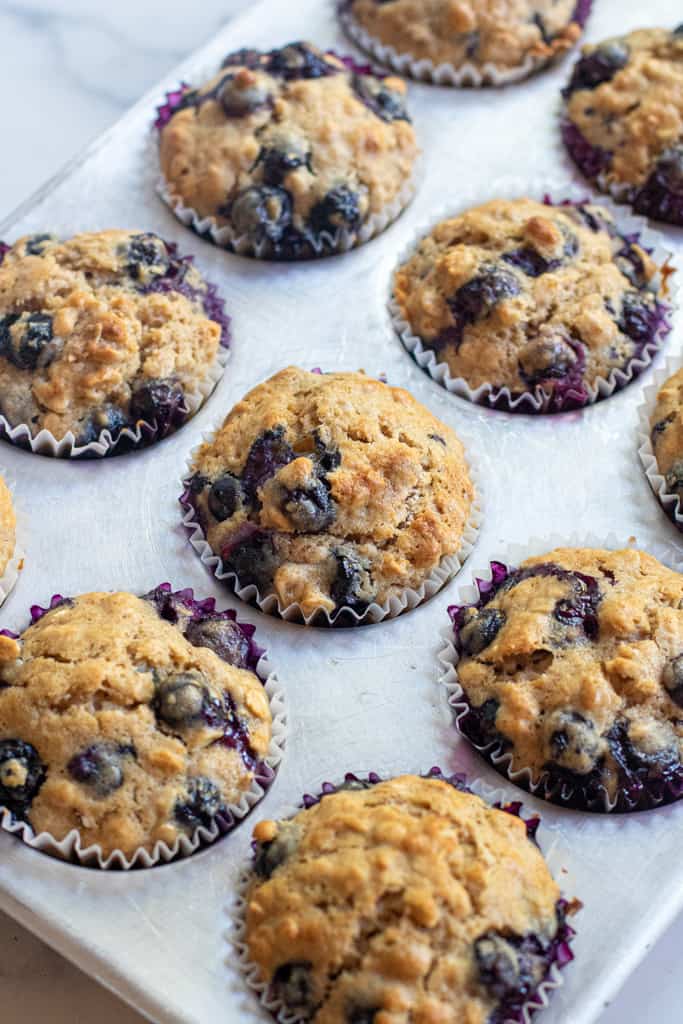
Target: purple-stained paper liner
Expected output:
[558,787]
[346,616]
[170,604]
[424,70]
[142,434]
[671,503]
[559,951]
[326,244]
[571,393]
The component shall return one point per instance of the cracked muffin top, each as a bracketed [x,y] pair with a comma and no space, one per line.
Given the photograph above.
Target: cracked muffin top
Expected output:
[102,331]
[505,33]
[289,149]
[574,663]
[667,433]
[331,490]
[7,527]
[624,118]
[404,900]
[532,297]
[124,726]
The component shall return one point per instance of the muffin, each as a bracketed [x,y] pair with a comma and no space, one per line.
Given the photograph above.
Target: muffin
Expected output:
[132,720]
[623,120]
[402,900]
[330,492]
[497,40]
[105,332]
[532,300]
[289,154]
[571,668]
[666,425]
[8,524]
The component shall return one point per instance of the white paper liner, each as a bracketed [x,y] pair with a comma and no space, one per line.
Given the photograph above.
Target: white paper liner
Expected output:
[538,401]
[671,503]
[250,972]
[425,70]
[448,567]
[45,443]
[512,557]
[14,566]
[343,239]
[70,848]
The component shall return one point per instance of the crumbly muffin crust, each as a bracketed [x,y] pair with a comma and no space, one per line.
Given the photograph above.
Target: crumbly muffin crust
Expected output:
[574,664]
[102,331]
[331,490]
[501,32]
[531,297]
[666,424]
[115,723]
[624,118]
[8,524]
[404,900]
[289,147]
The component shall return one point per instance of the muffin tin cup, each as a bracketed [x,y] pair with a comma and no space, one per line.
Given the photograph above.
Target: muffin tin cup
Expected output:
[16,563]
[543,784]
[671,503]
[466,74]
[70,848]
[448,567]
[540,999]
[538,401]
[223,236]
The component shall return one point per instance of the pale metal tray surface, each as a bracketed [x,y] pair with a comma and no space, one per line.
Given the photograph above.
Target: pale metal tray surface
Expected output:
[358,700]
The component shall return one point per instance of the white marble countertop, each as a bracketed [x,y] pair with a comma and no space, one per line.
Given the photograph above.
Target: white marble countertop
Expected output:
[69,69]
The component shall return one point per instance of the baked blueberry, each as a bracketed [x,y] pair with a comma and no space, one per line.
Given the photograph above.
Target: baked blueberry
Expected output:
[222,636]
[225,496]
[25,340]
[146,256]
[242,95]
[262,213]
[479,630]
[351,582]
[272,853]
[574,742]
[300,60]
[101,767]
[292,984]
[36,244]
[269,453]
[180,699]
[309,509]
[22,773]
[387,103]
[547,357]
[509,966]
[282,155]
[201,804]
[599,65]
[672,678]
[340,208]
[160,403]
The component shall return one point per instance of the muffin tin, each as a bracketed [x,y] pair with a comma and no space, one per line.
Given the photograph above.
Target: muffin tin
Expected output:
[365,699]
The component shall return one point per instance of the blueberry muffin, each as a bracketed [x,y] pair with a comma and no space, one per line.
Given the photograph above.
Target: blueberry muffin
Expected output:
[404,900]
[103,332]
[623,123]
[331,491]
[293,151]
[508,34]
[573,664]
[540,299]
[667,434]
[133,720]
[7,527]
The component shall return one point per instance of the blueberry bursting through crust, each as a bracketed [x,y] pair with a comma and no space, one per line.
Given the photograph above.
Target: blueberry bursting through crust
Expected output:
[633,765]
[505,969]
[288,204]
[186,706]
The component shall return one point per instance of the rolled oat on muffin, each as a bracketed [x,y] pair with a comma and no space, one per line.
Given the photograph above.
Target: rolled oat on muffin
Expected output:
[330,491]
[289,154]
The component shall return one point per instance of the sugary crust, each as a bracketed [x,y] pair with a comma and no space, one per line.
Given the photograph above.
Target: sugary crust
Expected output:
[88,674]
[568,665]
[637,113]
[667,432]
[500,32]
[104,331]
[560,283]
[384,893]
[8,524]
[397,479]
[326,136]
